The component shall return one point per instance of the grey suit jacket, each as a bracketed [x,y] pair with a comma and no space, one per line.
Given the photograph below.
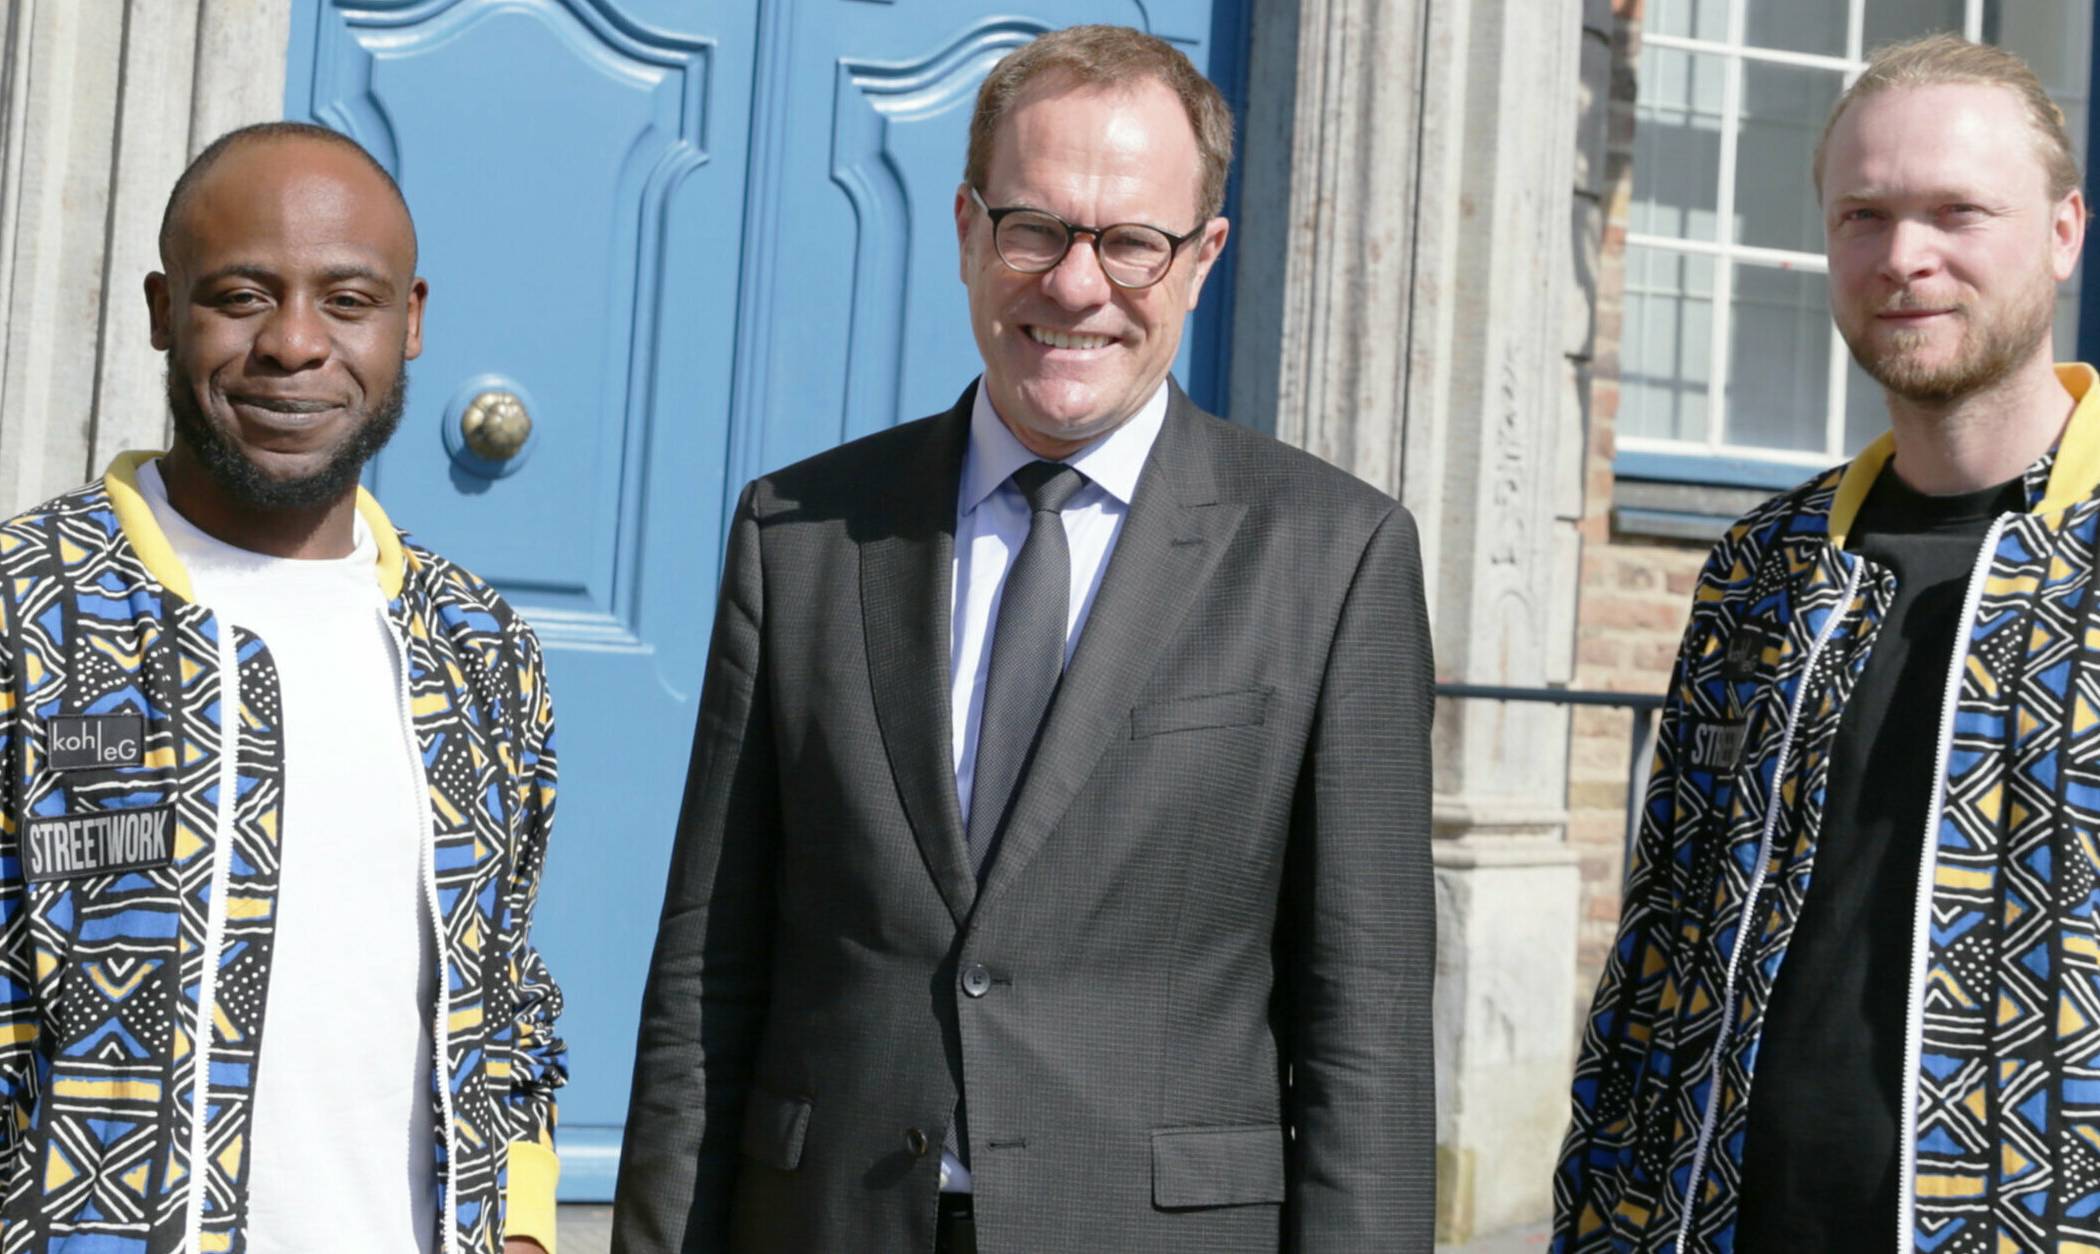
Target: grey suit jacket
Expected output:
[1190,1002]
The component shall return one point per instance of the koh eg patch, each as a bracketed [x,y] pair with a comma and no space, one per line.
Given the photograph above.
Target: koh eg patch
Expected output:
[93,742]
[1746,649]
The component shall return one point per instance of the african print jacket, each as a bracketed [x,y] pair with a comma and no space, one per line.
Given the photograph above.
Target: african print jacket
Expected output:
[2000,1122]
[140,764]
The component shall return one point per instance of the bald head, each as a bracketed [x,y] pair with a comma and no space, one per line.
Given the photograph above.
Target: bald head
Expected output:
[259,142]
[287,305]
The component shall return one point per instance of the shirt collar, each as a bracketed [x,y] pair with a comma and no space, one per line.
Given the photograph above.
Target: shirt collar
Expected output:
[1113,460]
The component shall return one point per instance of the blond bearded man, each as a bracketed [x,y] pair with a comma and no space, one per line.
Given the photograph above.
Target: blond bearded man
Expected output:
[1855,996]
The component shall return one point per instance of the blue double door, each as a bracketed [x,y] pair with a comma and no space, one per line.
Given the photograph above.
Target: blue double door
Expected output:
[672,244]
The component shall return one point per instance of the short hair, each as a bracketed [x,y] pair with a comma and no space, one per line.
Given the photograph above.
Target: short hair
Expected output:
[263,132]
[1108,56]
[1936,60]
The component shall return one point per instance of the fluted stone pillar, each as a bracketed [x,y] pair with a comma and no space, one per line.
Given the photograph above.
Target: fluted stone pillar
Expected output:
[1410,306]
[104,104]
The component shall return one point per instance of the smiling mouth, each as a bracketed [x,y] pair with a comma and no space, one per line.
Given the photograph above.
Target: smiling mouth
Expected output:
[285,404]
[1068,339]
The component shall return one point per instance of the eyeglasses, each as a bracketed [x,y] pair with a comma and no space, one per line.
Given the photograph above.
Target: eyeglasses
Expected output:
[1132,254]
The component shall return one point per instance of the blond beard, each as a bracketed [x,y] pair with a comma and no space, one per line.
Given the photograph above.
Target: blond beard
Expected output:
[1987,354]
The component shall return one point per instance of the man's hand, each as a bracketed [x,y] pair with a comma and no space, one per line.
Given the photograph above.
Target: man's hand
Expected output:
[522,1245]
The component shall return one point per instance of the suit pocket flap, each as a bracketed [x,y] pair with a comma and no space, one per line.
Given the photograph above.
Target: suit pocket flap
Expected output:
[1217,709]
[1235,1166]
[773,1128]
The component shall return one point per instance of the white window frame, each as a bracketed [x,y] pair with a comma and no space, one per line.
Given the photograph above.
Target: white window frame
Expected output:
[1727,253]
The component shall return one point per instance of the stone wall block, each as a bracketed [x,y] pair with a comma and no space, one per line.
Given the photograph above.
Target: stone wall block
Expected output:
[64,58]
[1580,306]
[244,42]
[153,137]
[1504,921]
[103,105]
[1509,404]
[1592,110]
[1569,451]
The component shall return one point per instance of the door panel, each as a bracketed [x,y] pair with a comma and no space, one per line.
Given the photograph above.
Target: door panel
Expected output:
[697,241]
[861,321]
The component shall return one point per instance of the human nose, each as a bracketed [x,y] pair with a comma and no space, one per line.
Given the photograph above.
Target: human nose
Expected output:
[293,337]
[1076,281]
[1912,252]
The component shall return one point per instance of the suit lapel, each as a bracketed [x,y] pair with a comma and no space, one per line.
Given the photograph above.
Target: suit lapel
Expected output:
[1171,541]
[906,568]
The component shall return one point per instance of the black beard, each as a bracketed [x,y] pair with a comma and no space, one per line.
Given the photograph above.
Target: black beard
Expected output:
[246,484]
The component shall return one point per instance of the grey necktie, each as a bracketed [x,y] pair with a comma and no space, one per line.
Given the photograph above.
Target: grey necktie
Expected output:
[1028,654]
[1028,658]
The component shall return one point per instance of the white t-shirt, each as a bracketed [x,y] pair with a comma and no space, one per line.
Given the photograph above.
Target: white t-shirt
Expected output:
[342,1140]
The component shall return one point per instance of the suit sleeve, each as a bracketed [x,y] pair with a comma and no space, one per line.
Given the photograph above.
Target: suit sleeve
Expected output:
[709,979]
[539,1060]
[1357,932]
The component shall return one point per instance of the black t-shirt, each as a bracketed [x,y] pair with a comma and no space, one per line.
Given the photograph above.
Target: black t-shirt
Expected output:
[1821,1156]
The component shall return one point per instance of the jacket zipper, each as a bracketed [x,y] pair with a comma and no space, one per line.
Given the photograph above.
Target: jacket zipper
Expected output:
[214,933]
[1743,924]
[1928,867]
[441,1035]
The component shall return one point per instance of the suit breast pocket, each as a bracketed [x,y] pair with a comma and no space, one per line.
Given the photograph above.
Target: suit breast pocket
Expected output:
[1244,708]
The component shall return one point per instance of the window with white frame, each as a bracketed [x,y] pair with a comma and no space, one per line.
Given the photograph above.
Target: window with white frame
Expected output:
[1728,357]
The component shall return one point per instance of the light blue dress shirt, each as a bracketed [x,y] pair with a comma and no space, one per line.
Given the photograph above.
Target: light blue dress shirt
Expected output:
[991,524]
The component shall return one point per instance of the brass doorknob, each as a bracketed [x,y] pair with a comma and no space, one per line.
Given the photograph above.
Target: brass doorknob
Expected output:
[496,425]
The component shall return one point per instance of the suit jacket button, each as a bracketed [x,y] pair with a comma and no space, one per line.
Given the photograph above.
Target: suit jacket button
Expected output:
[916,1142]
[977,981]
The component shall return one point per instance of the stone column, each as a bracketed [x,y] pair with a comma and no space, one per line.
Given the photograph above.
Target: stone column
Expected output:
[103,106]
[1411,308]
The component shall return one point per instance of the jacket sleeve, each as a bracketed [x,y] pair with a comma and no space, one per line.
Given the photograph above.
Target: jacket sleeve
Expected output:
[1356,935]
[1597,1156]
[20,1012]
[539,1060]
[709,980]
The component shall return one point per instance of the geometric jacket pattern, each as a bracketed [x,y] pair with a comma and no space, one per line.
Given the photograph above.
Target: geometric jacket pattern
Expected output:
[103,1040]
[2001,1115]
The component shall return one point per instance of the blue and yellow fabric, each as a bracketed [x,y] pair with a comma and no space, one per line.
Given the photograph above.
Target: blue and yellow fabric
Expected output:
[2006,1124]
[101,975]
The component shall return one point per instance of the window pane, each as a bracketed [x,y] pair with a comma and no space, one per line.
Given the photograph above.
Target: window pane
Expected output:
[2055,37]
[1778,359]
[1775,196]
[1696,19]
[1666,346]
[1816,26]
[1890,20]
[1677,145]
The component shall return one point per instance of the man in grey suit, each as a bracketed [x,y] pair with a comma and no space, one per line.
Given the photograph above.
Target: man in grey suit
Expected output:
[1054,866]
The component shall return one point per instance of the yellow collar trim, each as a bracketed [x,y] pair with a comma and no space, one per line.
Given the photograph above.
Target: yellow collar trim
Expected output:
[2072,479]
[2077,469]
[121,482]
[1852,489]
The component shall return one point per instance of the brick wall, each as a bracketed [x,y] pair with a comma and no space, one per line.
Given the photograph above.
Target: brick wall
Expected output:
[1635,593]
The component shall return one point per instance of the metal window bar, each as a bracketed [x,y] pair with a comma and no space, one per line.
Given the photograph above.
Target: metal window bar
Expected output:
[1644,706]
